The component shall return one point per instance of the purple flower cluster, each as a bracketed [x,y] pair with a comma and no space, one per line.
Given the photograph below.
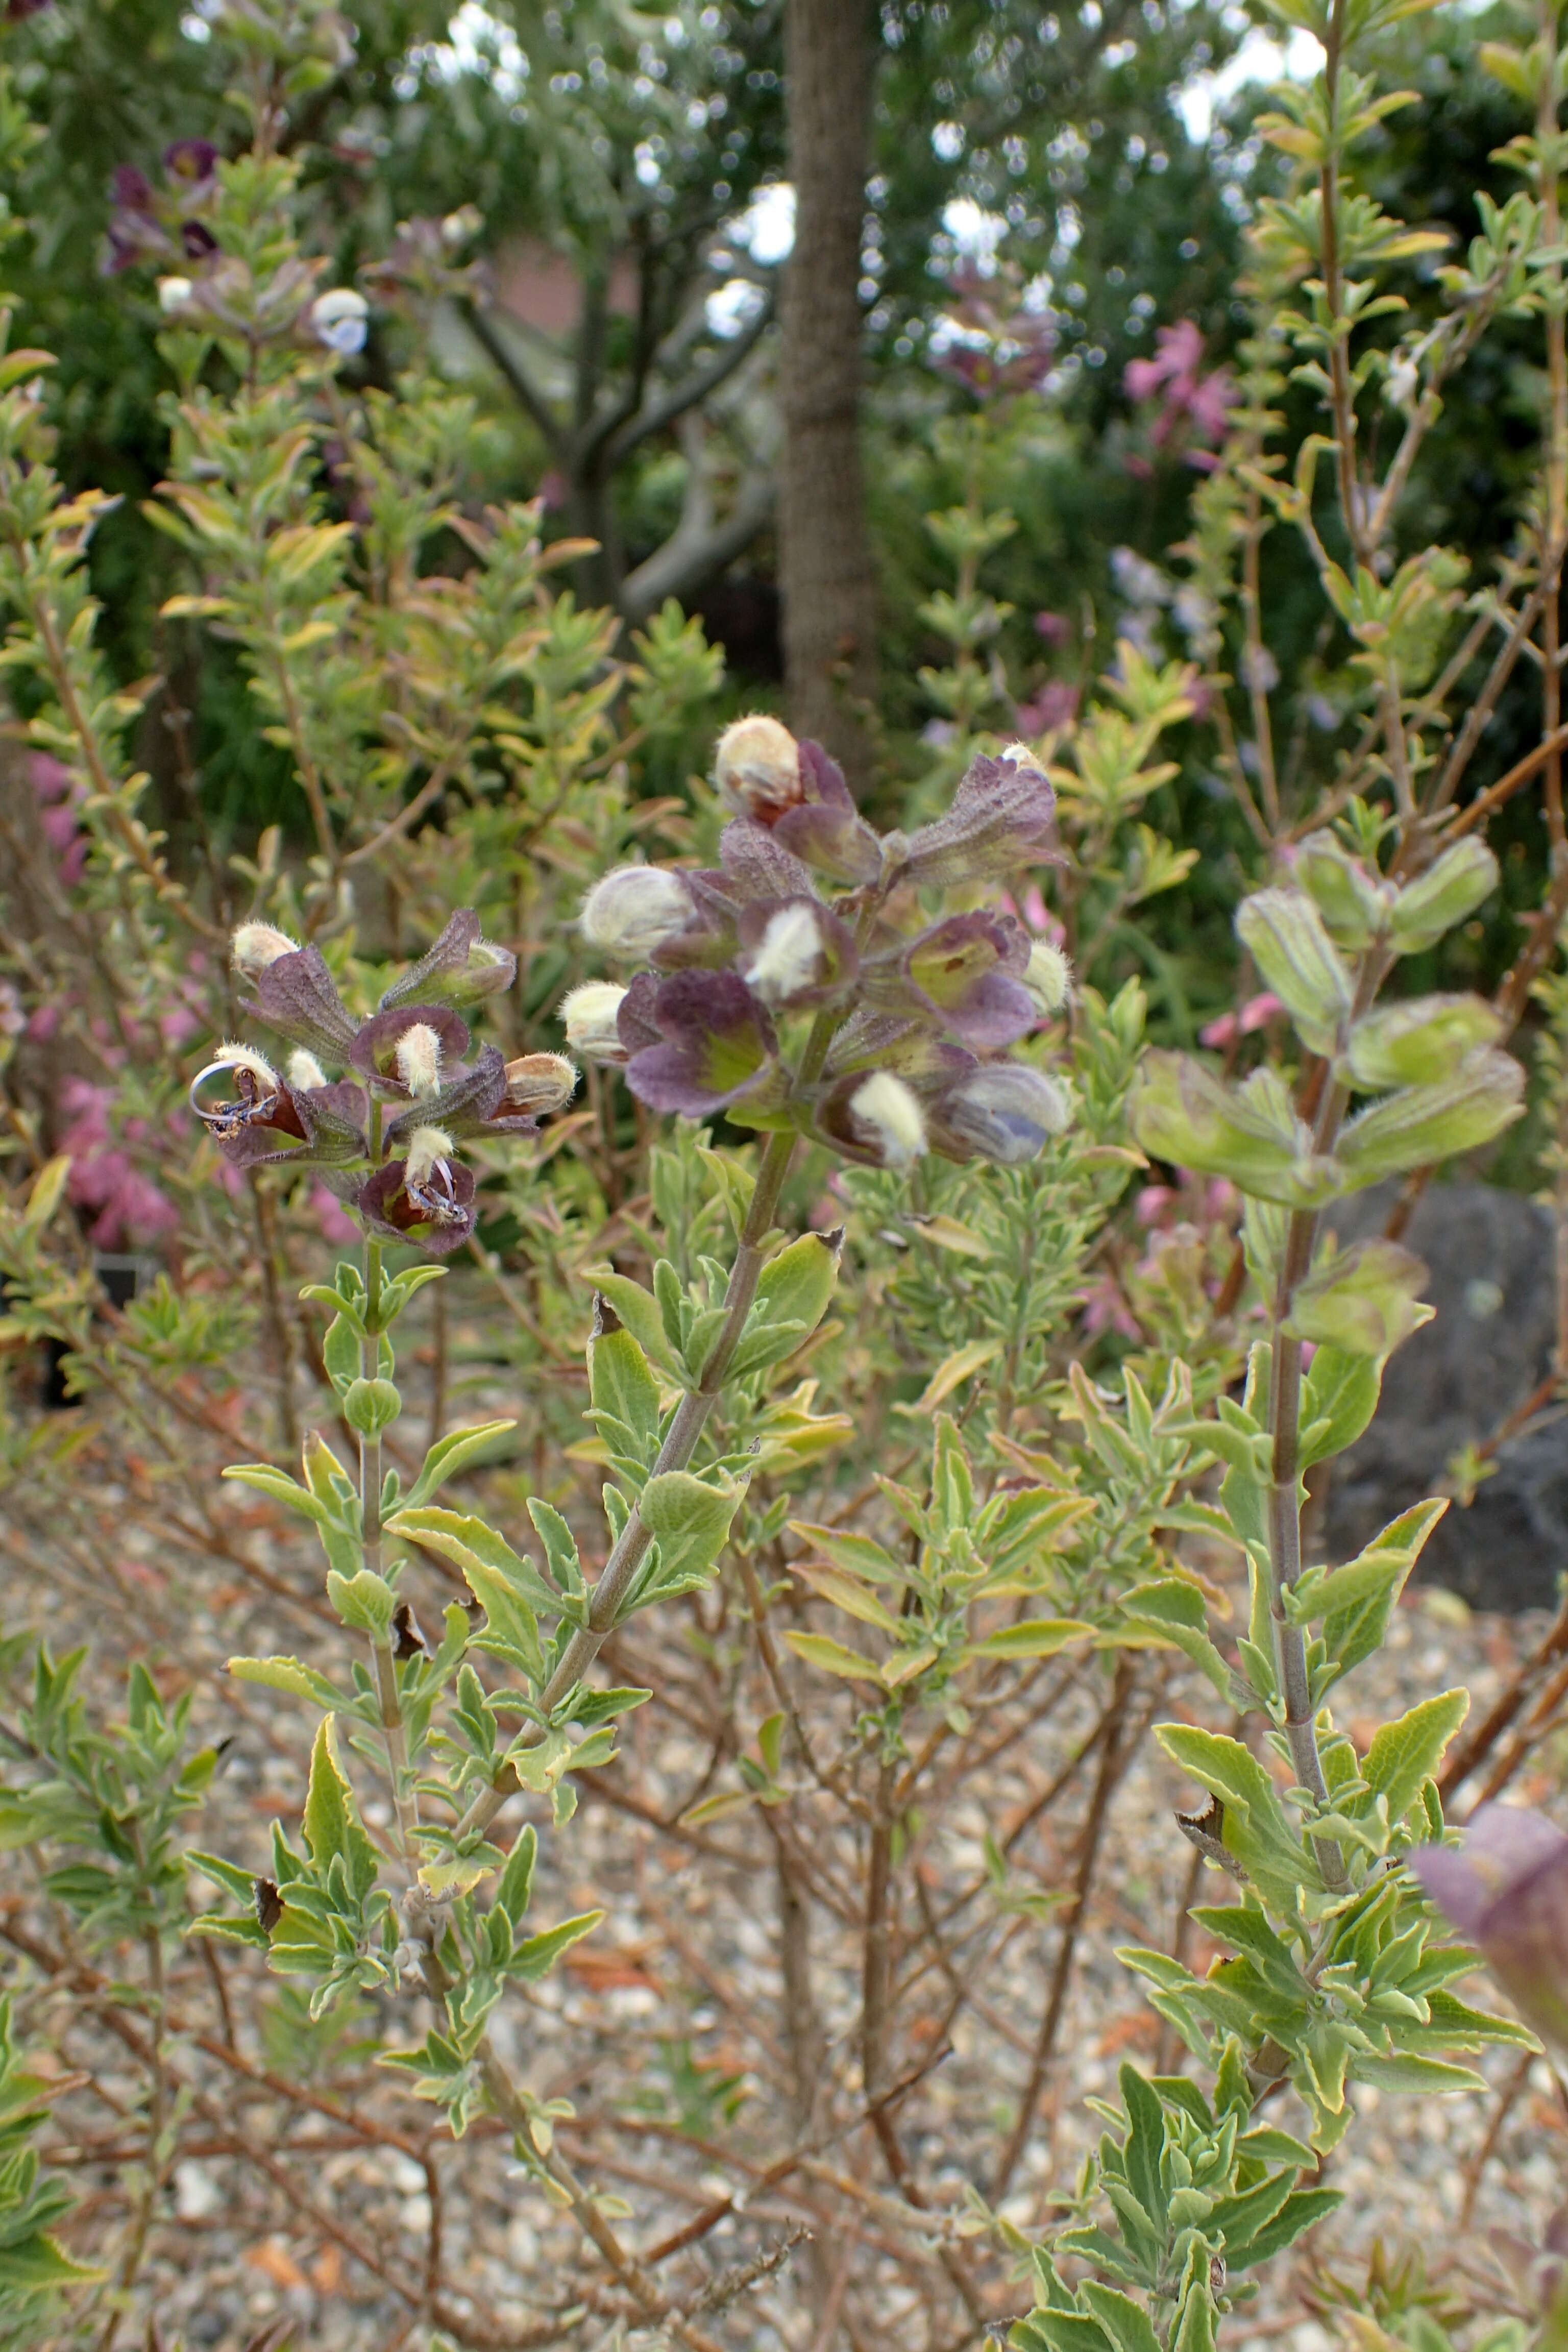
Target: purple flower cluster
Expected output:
[383,1136]
[164,224]
[811,926]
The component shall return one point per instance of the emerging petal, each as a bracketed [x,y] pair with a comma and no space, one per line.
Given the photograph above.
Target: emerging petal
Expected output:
[426,1198]
[1004,1112]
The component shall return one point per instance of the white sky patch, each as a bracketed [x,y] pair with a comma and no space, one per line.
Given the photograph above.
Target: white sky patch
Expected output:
[477,43]
[766,229]
[975,232]
[1260,57]
[731,308]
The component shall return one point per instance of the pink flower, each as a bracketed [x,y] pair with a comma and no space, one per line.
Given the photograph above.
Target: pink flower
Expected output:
[1152,1204]
[1256,1013]
[1055,706]
[1054,627]
[1105,1309]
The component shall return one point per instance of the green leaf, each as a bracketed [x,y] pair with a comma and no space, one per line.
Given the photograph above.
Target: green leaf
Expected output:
[1258,1829]
[513,1892]
[1126,2323]
[1339,1398]
[1408,1751]
[331,1823]
[1418,1040]
[35,2264]
[560,1547]
[1364,1300]
[451,1453]
[537,1955]
[639,1311]
[1034,1637]
[365,1601]
[1173,1611]
[689,1520]
[509,1589]
[796,1285]
[624,1394]
[856,1555]
[292,1675]
[832,1658]
[1292,950]
[1299,2213]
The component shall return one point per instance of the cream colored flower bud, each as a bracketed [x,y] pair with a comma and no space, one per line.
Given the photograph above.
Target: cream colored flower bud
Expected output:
[589,1018]
[539,1082]
[245,1058]
[174,295]
[788,957]
[757,768]
[885,1115]
[1049,977]
[256,945]
[635,910]
[426,1146]
[305,1071]
[419,1059]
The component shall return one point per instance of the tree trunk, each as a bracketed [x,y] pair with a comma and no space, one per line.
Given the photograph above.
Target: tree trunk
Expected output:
[826,571]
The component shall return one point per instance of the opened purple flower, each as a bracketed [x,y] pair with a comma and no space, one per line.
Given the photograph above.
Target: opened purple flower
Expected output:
[701,1042]
[1505,1889]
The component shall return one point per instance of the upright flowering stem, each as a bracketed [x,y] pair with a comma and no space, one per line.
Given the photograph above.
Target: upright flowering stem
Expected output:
[384,1664]
[690,1419]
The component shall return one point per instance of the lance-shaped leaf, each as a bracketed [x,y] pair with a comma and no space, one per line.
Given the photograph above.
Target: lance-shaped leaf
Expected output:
[1449,891]
[1001,818]
[1291,948]
[1180,1112]
[1505,1888]
[510,1589]
[1257,1829]
[1418,1042]
[332,1823]
[1353,1603]
[1354,902]
[717,1047]
[462,966]
[963,975]
[1422,1124]
[295,996]
[1170,1611]
[451,1453]
[1364,1300]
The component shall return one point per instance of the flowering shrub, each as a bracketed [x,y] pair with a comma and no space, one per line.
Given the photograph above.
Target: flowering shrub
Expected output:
[903,1360]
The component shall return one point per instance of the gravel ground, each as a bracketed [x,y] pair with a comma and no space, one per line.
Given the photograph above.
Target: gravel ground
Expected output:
[678,1991]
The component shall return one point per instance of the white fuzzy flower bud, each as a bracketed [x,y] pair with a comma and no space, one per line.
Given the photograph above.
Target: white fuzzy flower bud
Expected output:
[426,1146]
[787,958]
[635,910]
[1049,977]
[305,1071]
[245,1058]
[885,1115]
[419,1059]
[256,945]
[757,768]
[539,1082]
[588,1016]
[174,295]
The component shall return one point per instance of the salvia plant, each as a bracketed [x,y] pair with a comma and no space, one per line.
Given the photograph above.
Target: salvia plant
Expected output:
[863,1448]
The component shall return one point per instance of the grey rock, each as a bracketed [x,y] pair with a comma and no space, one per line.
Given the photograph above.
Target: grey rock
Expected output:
[1489,1259]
